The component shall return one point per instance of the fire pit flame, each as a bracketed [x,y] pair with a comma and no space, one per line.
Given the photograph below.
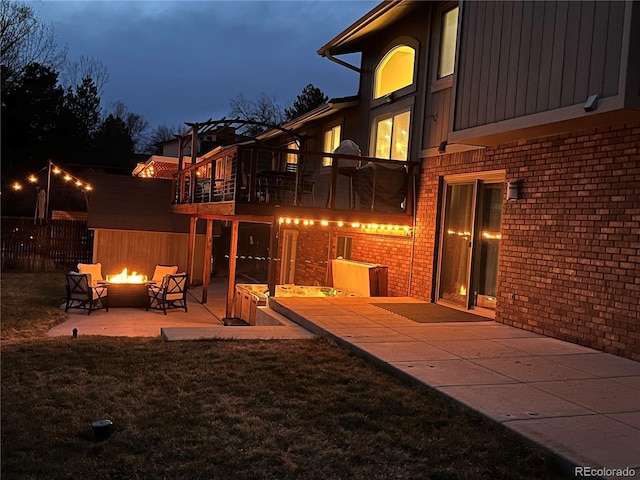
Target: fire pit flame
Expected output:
[124,277]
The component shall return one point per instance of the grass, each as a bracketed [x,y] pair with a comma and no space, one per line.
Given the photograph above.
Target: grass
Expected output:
[30,304]
[304,409]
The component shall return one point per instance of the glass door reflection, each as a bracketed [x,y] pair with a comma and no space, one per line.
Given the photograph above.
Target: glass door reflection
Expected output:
[455,260]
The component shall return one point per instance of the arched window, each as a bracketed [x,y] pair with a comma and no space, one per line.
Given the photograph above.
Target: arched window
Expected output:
[395,71]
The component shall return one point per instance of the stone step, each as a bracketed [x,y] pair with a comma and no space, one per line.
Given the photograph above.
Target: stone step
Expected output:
[266,316]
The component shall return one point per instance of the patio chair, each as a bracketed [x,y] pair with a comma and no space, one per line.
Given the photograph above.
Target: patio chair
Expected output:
[160,272]
[171,293]
[81,294]
[94,270]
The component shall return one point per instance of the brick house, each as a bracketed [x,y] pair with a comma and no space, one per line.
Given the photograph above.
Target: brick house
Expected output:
[518,124]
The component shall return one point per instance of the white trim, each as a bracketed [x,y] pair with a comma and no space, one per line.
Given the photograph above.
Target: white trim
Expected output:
[492,176]
[541,119]
[451,148]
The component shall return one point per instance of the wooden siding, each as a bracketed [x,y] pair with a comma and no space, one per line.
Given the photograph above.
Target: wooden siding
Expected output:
[437,120]
[142,251]
[46,245]
[522,58]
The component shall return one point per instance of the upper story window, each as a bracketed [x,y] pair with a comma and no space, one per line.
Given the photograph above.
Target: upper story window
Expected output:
[331,142]
[448,37]
[391,135]
[395,71]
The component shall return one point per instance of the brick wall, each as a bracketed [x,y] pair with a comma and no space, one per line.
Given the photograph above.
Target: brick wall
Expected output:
[394,252]
[312,256]
[570,244]
[316,246]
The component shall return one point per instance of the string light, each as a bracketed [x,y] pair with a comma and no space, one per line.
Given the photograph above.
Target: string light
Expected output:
[68,177]
[387,229]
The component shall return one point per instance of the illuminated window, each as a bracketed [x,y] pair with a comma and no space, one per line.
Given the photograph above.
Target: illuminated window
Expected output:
[343,247]
[392,136]
[292,158]
[448,37]
[331,142]
[395,71]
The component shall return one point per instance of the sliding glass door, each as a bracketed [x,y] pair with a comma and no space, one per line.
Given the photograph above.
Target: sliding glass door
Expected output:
[455,260]
[470,244]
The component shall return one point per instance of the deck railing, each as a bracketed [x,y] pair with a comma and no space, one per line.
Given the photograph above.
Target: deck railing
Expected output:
[259,174]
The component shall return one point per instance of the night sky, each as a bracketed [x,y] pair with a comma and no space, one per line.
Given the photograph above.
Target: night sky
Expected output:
[177,61]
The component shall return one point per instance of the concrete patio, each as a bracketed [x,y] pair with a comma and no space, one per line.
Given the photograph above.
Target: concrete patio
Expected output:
[581,404]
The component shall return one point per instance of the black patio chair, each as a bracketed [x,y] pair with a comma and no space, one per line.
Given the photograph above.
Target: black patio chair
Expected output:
[172,293]
[80,293]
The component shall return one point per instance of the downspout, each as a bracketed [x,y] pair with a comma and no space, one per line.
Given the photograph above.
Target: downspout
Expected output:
[327,54]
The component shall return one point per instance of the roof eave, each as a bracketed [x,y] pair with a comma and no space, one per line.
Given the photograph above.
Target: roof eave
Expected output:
[333,105]
[341,43]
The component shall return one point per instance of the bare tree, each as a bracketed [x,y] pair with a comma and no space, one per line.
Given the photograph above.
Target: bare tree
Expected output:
[263,109]
[161,133]
[25,40]
[74,72]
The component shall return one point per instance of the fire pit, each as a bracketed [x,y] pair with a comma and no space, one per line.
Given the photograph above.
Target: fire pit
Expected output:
[125,277]
[127,290]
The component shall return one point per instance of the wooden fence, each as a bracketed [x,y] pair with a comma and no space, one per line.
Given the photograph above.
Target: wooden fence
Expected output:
[48,245]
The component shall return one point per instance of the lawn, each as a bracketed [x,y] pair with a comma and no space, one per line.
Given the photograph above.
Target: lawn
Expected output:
[220,409]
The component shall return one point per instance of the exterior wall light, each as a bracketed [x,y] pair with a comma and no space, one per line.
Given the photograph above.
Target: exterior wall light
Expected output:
[513,191]
[591,104]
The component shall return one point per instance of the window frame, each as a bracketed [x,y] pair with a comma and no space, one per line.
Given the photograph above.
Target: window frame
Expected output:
[440,83]
[394,110]
[328,161]
[292,158]
[409,89]
[347,246]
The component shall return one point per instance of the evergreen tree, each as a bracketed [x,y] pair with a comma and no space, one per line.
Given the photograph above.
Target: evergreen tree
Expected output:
[83,115]
[32,104]
[310,98]
[114,138]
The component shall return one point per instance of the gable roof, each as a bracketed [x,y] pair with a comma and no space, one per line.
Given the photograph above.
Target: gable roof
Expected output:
[353,38]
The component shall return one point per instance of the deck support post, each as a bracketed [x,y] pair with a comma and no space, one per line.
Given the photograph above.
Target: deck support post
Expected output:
[191,250]
[233,254]
[206,267]
[273,254]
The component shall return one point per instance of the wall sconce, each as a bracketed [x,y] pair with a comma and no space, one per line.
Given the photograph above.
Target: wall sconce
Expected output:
[443,147]
[591,104]
[513,191]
